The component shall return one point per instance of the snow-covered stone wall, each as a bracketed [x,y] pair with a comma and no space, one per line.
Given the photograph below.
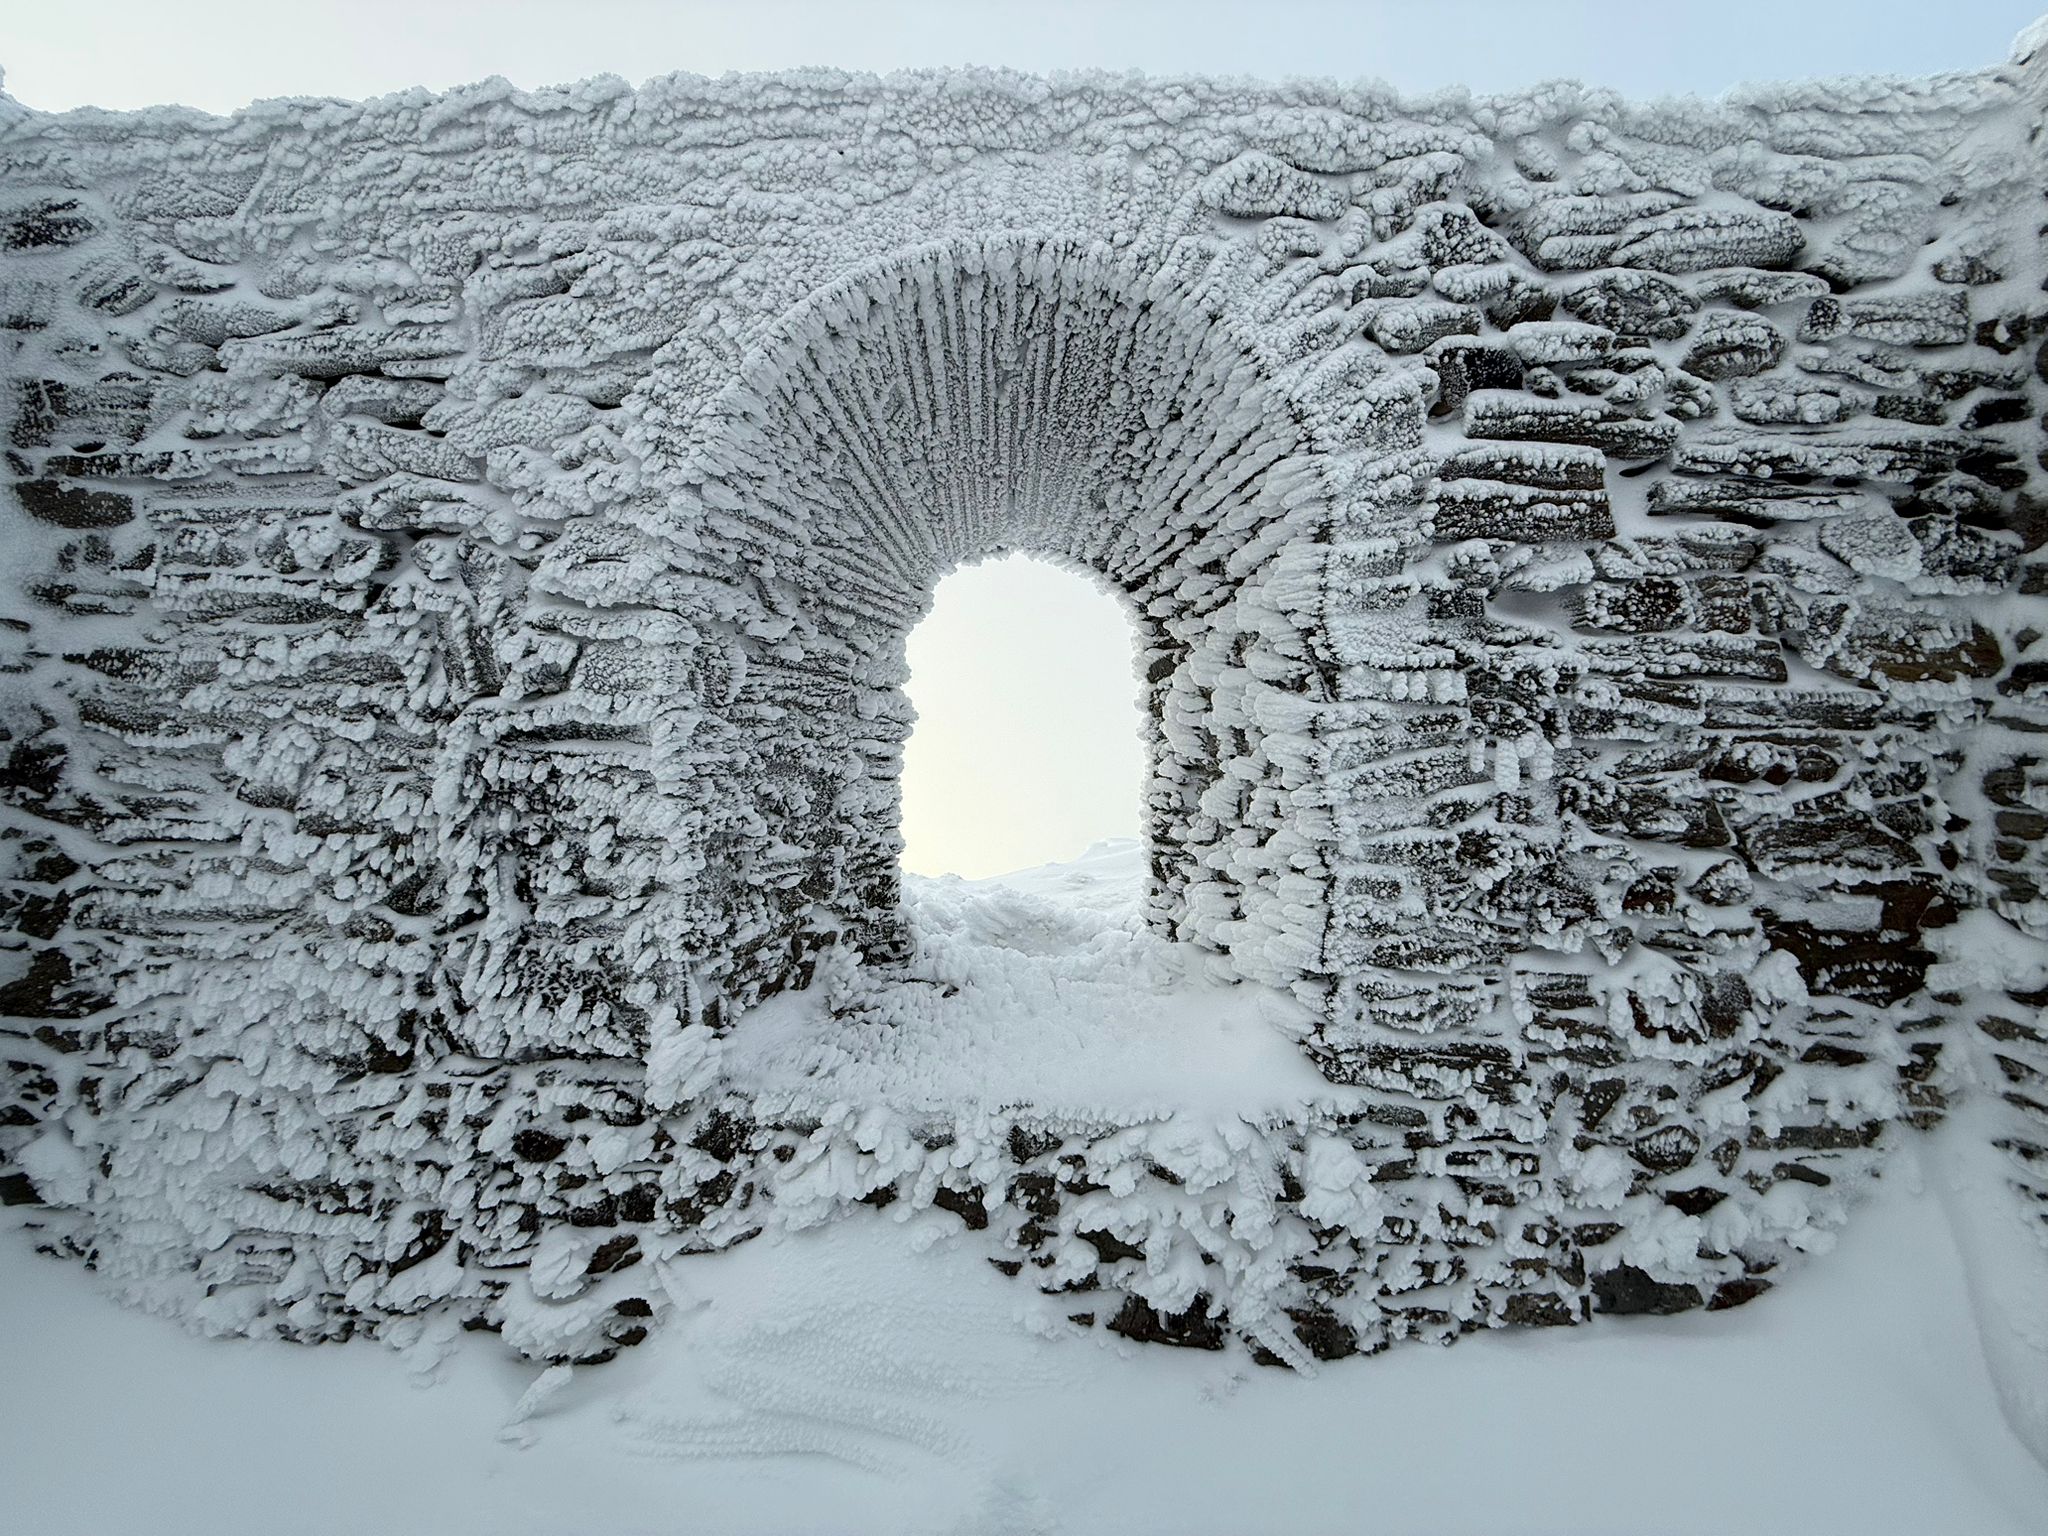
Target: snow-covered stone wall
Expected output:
[458,564]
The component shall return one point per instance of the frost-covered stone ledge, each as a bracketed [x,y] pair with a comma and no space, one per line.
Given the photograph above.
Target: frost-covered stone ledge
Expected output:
[1587,563]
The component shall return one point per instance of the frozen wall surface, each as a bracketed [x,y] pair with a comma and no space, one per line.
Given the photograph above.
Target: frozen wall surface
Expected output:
[458,559]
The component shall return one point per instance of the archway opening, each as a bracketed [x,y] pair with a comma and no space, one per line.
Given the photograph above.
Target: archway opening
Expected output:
[1020,807]
[1028,749]
[1008,395]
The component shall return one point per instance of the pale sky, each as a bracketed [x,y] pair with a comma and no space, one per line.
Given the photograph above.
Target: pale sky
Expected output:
[1027,747]
[219,54]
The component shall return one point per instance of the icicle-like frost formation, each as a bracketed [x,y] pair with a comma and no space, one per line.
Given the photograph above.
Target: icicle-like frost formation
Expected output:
[1585,559]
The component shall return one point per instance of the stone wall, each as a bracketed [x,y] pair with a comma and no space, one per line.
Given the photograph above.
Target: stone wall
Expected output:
[1587,564]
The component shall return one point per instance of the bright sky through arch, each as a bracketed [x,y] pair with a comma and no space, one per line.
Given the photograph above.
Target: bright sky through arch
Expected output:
[1026,748]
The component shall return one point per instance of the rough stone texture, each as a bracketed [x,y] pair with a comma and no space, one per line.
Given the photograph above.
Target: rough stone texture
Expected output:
[461,547]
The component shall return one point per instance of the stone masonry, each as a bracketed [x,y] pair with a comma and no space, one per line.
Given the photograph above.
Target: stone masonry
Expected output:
[1588,560]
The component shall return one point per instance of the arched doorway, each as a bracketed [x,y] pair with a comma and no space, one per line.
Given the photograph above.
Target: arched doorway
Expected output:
[1007,395]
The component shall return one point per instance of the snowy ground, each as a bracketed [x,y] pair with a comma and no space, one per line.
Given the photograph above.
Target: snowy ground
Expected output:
[876,1375]
[1054,996]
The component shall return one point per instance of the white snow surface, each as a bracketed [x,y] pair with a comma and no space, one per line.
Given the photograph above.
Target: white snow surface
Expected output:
[875,1375]
[1046,991]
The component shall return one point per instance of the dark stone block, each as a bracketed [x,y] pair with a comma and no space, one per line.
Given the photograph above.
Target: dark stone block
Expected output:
[1626,1290]
[17,1189]
[1646,605]
[1462,366]
[1491,1068]
[1996,467]
[639,1204]
[1652,895]
[1897,657]
[1598,1098]
[966,1204]
[1322,1333]
[1633,304]
[1735,1293]
[1028,1145]
[1696,1201]
[1541,466]
[47,222]
[1820,1138]
[1575,422]
[1925,413]
[73,506]
[1997,412]
[614,1254]
[712,1195]
[1666,1150]
[538,1146]
[1725,1004]
[1828,1053]
[1972,271]
[1109,1247]
[37,916]
[35,418]
[1877,967]
[50,989]
[2004,335]
[1037,1194]
[1734,347]
[1192,1329]
[1642,811]
[1539,1309]
[1469,510]
[1789,844]
[2011,1030]
[1799,1173]
[114,290]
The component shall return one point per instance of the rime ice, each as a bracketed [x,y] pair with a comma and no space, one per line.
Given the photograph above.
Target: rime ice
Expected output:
[463,546]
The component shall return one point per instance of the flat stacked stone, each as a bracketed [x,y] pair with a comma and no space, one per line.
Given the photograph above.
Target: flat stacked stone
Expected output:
[1583,557]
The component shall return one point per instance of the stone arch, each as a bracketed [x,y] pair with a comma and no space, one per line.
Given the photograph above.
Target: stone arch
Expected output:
[1087,406]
